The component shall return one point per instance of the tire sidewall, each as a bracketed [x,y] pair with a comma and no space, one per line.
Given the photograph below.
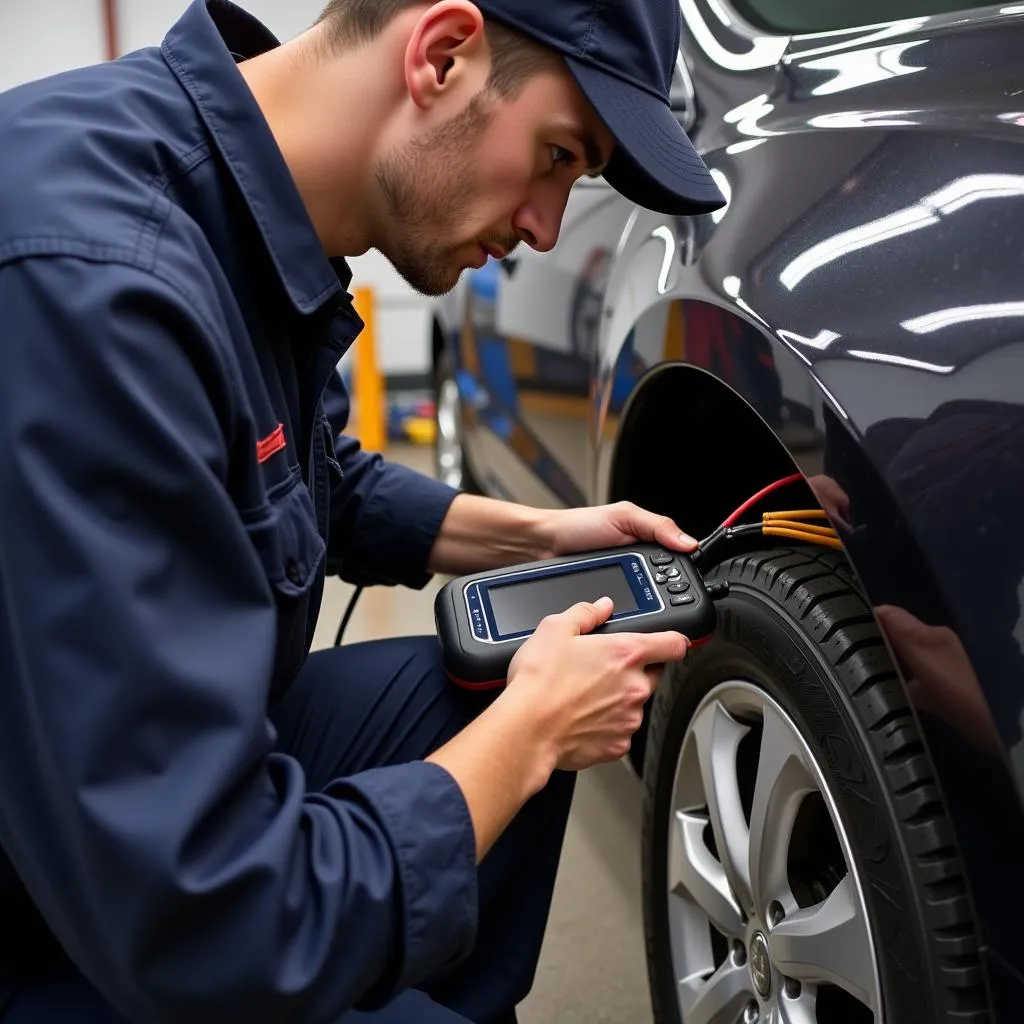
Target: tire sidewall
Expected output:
[759,643]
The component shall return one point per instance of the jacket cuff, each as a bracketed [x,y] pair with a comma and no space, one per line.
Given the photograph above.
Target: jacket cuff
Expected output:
[397,529]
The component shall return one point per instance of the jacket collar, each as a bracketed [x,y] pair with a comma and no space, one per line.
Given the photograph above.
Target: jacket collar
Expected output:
[201,49]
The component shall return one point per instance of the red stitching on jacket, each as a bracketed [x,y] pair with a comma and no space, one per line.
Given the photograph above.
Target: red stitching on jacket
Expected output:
[271,444]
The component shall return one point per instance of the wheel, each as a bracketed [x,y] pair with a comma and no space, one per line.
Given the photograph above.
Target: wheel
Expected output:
[797,864]
[449,457]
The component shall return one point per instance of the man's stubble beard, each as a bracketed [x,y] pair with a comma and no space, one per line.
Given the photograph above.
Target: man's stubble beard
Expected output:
[427,187]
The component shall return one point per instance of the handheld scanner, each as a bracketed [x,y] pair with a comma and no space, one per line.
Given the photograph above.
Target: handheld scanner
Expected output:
[484,618]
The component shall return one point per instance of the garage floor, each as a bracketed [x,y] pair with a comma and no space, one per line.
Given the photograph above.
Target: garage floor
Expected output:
[592,967]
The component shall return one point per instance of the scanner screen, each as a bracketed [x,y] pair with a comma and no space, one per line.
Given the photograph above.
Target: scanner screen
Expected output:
[519,607]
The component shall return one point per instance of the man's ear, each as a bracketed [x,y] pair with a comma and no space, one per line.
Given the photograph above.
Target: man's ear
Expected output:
[448,49]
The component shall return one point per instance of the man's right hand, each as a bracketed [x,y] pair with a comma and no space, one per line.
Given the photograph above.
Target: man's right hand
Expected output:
[587,693]
[572,700]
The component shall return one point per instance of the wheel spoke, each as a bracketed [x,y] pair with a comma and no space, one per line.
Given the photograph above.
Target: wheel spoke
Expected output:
[783,779]
[693,872]
[719,999]
[801,1010]
[718,736]
[827,943]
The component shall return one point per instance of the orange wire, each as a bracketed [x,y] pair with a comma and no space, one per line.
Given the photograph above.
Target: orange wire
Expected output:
[804,513]
[810,538]
[821,531]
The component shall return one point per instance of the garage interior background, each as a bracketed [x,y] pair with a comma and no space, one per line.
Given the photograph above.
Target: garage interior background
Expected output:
[94,30]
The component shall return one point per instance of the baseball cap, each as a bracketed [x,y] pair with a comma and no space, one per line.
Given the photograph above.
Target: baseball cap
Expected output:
[622,54]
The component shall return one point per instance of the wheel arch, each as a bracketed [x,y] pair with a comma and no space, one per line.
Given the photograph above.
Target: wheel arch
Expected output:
[729,452]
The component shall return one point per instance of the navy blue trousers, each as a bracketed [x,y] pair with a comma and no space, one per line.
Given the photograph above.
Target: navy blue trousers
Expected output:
[369,705]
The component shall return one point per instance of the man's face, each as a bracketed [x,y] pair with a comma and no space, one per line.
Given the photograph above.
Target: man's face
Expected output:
[497,174]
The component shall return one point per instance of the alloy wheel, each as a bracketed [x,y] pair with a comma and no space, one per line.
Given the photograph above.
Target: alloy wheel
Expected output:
[767,918]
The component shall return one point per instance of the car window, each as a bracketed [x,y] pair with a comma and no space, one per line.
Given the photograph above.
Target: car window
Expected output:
[796,17]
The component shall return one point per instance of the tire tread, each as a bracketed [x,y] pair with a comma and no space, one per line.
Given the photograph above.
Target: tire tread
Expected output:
[808,582]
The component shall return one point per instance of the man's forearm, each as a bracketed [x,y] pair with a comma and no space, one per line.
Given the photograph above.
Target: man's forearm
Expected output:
[482,533]
[498,761]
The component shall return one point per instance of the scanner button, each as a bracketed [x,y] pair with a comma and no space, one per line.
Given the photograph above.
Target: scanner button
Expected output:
[672,572]
[662,558]
[660,577]
[678,599]
[679,588]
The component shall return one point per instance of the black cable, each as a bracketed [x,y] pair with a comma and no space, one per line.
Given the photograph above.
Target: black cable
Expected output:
[348,615]
[716,536]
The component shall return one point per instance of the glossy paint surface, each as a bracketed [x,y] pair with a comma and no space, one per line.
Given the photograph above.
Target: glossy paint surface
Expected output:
[863,292]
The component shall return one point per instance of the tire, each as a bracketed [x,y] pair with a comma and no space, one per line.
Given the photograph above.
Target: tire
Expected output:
[450,465]
[797,645]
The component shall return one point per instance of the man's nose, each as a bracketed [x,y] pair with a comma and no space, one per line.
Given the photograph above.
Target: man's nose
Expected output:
[539,220]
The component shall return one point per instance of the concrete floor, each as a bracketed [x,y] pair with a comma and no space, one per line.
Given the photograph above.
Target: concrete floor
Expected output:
[592,965]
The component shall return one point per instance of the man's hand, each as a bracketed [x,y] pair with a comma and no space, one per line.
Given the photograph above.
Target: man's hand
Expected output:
[607,526]
[571,701]
[483,533]
[584,693]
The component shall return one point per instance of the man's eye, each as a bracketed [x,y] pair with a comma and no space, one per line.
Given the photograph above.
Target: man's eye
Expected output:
[561,156]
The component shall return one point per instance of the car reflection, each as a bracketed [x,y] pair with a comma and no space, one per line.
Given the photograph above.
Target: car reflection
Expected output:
[844,71]
[956,195]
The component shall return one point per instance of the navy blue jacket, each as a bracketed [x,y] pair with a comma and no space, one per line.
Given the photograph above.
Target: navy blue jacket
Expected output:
[171,497]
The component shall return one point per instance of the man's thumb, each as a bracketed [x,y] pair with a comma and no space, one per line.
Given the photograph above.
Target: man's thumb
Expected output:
[586,616]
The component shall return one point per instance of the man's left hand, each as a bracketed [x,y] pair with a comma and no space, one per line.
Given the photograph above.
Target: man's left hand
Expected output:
[574,530]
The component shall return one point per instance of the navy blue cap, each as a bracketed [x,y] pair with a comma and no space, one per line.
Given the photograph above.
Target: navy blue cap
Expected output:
[622,54]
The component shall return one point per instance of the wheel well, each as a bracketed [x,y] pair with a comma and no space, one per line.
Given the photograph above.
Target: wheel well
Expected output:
[693,449]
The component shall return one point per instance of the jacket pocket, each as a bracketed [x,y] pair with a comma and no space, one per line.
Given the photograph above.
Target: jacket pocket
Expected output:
[284,535]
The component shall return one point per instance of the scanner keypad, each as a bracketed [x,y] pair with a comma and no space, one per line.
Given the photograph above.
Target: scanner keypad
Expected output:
[667,574]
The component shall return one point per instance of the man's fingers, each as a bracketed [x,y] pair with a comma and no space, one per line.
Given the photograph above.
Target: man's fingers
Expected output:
[660,529]
[585,617]
[665,532]
[662,648]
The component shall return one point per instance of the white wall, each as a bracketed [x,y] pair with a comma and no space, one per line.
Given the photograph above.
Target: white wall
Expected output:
[31,47]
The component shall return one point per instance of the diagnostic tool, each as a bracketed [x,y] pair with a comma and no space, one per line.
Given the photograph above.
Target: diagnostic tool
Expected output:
[484,618]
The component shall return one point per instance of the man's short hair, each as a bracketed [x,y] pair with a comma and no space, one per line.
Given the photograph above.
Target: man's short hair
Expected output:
[515,58]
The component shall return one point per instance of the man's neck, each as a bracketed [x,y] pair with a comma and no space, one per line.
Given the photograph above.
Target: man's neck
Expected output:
[326,123]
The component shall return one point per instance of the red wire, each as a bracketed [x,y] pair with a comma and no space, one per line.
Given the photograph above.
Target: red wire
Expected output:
[760,494]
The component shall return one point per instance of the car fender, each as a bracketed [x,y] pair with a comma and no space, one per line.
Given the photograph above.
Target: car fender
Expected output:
[926,440]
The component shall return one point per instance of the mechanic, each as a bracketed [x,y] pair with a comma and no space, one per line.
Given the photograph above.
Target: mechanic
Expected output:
[199,820]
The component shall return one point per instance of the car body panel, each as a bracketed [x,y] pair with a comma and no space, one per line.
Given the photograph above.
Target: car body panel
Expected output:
[863,292]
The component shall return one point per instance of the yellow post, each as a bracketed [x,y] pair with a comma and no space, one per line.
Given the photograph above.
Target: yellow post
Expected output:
[367,380]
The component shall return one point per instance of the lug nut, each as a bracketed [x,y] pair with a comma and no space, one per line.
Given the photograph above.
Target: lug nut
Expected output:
[739,954]
[751,1013]
[792,988]
[775,913]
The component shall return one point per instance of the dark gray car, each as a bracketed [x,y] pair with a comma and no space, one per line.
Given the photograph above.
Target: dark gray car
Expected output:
[833,828]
